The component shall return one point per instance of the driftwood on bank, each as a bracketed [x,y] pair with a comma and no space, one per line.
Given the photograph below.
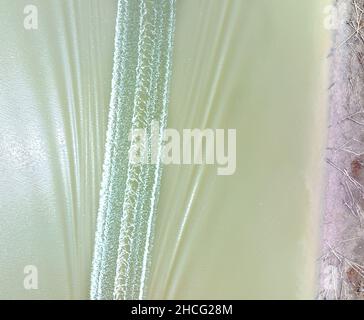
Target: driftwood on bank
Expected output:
[342,259]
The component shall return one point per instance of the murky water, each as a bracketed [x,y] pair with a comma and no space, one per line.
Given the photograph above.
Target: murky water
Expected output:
[55,92]
[257,66]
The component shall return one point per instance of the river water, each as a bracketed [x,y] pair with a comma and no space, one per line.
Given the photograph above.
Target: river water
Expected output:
[255,66]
